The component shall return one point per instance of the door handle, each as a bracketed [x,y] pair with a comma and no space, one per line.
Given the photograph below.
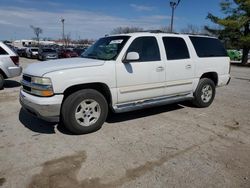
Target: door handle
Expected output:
[188,66]
[159,69]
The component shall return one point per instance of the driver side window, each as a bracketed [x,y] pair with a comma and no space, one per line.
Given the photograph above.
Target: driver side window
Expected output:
[147,48]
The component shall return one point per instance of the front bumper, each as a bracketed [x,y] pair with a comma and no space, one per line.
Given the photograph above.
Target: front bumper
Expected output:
[14,71]
[46,108]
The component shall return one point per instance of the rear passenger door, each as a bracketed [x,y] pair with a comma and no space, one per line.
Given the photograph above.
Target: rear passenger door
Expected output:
[179,66]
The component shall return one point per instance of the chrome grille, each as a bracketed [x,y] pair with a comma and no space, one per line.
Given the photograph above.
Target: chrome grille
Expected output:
[26,83]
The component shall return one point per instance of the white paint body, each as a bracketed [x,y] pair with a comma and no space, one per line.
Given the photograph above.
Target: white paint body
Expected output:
[6,64]
[135,81]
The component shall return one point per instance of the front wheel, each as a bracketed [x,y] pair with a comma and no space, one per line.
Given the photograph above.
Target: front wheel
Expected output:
[204,93]
[84,111]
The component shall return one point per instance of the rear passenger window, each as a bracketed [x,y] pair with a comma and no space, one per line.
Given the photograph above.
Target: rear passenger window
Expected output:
[147,47]
[208,47]
[176,48]
[2,51]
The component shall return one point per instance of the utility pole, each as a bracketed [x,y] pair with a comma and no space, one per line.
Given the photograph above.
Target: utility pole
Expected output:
[63,36]
[173,5]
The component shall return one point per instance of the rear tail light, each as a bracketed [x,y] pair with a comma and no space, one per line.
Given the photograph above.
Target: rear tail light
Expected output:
[15,60]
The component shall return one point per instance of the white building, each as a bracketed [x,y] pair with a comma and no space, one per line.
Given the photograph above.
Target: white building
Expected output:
[24,43]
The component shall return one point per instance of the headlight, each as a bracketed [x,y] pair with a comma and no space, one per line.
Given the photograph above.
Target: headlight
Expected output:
[39,86]
[41,80]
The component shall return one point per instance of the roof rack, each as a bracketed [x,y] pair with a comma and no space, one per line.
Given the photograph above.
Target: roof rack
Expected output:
[159,31]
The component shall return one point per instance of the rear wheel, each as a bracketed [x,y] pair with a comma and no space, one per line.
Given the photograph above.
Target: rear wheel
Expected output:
[84,111]
[1,81]
[204,93]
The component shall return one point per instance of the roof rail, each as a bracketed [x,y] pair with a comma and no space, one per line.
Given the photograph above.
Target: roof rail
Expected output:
[203,34]
[159,31]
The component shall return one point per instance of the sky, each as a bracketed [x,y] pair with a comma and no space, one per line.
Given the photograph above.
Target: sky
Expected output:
[94,18]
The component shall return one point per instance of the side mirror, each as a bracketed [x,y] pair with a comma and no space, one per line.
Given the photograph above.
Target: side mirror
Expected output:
[132,56]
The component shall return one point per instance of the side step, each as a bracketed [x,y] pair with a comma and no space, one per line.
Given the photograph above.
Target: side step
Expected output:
[147,103]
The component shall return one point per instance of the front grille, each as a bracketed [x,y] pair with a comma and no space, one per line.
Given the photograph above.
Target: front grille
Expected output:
[26,88]
[26,82]
[27,78]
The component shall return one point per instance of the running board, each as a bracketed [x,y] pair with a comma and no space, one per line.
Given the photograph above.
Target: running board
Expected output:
[147,103]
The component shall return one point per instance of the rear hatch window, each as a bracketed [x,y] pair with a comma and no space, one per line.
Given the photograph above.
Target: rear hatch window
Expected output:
[2,51]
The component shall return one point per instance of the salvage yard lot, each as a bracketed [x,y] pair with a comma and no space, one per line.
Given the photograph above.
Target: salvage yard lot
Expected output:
[170,146]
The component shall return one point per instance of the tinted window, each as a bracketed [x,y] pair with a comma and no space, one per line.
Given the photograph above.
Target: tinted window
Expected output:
[49,50]
[208,47]
[176,48]
[2,51]
[147,47]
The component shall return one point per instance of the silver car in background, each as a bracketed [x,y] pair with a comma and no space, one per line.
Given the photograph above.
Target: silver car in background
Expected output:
[9,64]
[32,52]
[47,54]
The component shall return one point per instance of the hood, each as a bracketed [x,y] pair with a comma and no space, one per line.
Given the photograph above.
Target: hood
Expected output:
[41,68]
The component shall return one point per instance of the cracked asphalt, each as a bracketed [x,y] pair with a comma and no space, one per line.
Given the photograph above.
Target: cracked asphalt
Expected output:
[170,146]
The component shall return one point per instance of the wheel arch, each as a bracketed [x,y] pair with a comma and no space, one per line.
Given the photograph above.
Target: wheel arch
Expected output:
[211,75]
[101,87]
[3,74]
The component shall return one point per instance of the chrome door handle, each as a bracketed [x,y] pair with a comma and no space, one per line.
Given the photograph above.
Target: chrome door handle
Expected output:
[159,69]
[188,66]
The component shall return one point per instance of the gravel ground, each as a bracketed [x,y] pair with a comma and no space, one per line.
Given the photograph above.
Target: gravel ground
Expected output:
[170,146]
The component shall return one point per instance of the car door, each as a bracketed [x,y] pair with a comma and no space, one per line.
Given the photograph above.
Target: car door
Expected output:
[144,78]
[179,66]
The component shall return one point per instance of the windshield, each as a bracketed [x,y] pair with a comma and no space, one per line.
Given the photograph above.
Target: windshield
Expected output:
[49,50]
[107,48]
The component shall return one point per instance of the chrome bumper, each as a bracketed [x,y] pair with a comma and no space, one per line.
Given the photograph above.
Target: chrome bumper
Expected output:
[46,108]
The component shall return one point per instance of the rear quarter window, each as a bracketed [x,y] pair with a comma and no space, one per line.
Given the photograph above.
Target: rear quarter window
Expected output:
[2,51]
[208,47]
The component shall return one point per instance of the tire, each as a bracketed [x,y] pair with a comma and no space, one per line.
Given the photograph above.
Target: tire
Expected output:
[204,93]
[84,111]
[1,81]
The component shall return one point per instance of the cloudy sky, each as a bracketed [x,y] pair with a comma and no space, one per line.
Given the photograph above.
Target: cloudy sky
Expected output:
[95,18]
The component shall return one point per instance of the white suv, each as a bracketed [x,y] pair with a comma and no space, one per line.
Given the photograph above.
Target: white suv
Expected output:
[123,73]
[9,64]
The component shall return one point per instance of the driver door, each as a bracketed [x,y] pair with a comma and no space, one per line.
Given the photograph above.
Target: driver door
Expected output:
[143,78]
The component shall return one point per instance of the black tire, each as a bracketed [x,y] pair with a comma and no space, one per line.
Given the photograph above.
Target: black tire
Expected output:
[199,96]
[72,104]
[1,81]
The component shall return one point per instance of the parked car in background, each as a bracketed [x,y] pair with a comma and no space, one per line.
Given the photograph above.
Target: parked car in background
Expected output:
[47,53]
[235,55]
[32,52]
[67,53]
[9,64]
[79,51]
[21,52]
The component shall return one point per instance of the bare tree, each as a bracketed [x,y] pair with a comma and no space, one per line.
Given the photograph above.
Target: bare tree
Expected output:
[166,29]
[67,39]
[37,31]
[121,30]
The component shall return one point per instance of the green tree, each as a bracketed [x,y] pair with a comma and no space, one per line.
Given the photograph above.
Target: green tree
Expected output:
[235,24]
